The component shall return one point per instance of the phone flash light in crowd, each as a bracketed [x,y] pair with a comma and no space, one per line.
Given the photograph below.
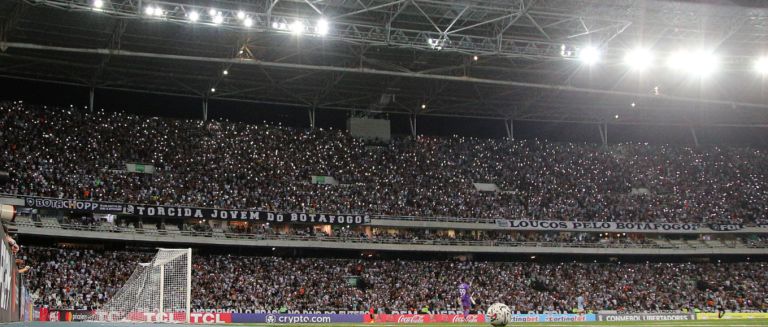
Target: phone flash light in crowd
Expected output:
[617,116]
[322,27]
[533,257]
[633,104]
[589,55]
[193,16]
[240,15]
[98,4]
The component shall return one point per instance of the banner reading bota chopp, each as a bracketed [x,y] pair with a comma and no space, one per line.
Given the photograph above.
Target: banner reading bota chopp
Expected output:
[612,227]
[75,205]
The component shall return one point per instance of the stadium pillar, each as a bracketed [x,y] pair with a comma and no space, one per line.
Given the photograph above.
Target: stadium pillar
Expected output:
[412,120]
[93,90]
[205,109]
[510,129]
[695,139]
[312,118]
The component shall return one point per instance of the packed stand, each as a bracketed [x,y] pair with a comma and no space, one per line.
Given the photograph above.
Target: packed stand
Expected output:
[86,279]
[65,153]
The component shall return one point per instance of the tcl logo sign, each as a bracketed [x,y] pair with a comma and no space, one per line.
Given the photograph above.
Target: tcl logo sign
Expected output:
[210,318]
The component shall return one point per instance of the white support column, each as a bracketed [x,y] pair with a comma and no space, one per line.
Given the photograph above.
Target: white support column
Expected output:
[412,120]
[92,95]
[205,109]
[605,130]
[695,139]
[312,118]
[189,284]
[602,136]
[510,129]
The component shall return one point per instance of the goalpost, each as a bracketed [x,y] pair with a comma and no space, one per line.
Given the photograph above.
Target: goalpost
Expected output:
[158,291]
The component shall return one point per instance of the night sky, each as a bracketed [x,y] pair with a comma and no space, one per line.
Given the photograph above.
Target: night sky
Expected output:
[191,108]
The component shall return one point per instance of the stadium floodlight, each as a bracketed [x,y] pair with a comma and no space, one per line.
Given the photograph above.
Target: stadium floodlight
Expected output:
[679,60]
[762,65]
[240,15]
[423,106]
[322,27]
[149,11]
[98,3]
[248,22]
[589,55]
[639,59]
[194,16]
[213,89]
[297,27]
[701,62]
[225,72]
[281,26]
[212,12]
[218,19]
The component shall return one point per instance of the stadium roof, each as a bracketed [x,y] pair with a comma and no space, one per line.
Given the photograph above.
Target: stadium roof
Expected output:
[503,59]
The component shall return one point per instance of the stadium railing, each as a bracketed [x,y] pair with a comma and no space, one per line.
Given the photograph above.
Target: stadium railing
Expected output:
[306,238]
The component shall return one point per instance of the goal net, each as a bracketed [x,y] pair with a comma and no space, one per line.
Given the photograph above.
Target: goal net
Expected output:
[158,291]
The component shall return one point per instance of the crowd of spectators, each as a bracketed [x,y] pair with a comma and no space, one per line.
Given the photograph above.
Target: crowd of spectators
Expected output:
[86,279]
[65,153]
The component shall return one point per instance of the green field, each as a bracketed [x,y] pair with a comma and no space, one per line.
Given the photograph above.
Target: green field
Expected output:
[694,323]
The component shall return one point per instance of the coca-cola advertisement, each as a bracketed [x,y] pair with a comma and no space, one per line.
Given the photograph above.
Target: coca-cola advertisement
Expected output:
[424,318]
[458,318]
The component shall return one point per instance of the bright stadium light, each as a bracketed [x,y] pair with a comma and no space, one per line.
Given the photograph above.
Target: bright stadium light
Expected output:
[150,11]
[98,3]
[679,60]
[212,12]
[700,63]
[297,27]
[240,15]
[639,59]
[225,72]
[704,63]
[194,16]
[213,89]
[589,55]
[762,65]
[248,22]
[322,27]
[218,19]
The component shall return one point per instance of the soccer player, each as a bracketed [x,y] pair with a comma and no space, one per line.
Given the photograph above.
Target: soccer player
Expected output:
[720,306]
[580,301]
[465,300]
